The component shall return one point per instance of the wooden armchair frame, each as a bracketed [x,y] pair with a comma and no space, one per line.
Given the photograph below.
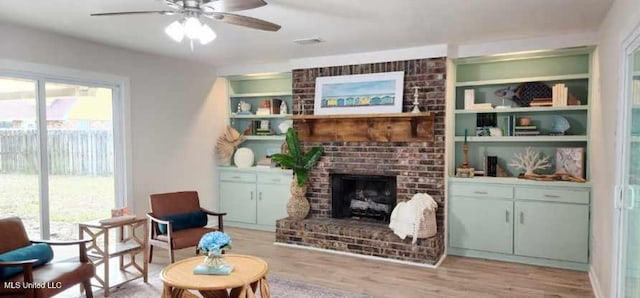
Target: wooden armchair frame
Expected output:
[27,266]
[154,231]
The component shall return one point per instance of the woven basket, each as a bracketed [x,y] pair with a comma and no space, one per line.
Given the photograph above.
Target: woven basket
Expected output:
[428,226]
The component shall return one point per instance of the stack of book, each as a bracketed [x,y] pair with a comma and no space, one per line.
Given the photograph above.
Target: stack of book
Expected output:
[541,102]
[482,106]
[560,95]
[528,130]
[259,128]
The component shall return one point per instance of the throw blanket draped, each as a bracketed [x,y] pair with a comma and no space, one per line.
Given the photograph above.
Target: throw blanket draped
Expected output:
[407,216]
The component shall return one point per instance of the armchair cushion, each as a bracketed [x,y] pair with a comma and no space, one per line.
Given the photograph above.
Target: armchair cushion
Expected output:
[41,251]
[183,221]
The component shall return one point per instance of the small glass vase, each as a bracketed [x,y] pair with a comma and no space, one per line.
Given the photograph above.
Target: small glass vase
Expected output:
[214,260]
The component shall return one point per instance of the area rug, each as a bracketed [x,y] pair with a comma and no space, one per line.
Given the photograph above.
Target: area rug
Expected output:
[280,288]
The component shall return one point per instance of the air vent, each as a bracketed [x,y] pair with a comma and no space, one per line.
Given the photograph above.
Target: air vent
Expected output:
[308,41]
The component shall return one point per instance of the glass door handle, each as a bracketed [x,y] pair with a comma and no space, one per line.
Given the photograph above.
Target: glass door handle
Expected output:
[631,203]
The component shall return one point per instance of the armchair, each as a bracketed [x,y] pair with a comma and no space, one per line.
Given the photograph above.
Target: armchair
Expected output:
[56,276]
[177,221]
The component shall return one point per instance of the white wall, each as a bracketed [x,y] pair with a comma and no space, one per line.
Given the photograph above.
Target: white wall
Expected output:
[623,16]
[174,106]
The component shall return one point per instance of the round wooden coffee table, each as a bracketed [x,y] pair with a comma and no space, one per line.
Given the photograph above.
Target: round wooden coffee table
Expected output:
[248,274]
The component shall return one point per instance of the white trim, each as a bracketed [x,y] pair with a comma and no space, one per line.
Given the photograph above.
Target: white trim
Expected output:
[120,85]
[43,175]
[532,44]
[595,285]
[350,254]
[630,44]
[431,51]
[244,69]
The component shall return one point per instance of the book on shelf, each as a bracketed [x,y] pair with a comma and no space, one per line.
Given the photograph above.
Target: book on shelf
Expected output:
[275,106]
[526,127]
[527,133]
[560,95]
[541,102]
[482,106]
[636,92]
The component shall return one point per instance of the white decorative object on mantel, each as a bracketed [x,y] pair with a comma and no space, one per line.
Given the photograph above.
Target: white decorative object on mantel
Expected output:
[416,104]
[530,161]
[375,93]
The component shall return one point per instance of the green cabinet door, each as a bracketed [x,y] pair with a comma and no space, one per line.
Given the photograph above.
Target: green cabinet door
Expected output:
[272,203]
[552,230]
[481,224]
[238,200]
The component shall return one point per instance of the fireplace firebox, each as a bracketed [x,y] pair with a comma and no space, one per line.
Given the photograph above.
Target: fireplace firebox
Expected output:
[364,197]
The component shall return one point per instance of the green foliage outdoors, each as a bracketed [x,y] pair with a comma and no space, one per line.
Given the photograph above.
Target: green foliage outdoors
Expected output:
[295,159]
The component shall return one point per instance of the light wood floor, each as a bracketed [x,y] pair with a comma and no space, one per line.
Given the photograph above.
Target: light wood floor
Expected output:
[456,277]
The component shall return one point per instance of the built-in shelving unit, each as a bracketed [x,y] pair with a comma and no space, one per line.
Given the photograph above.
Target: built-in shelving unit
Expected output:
[486,75]
[254,90]
[506,218]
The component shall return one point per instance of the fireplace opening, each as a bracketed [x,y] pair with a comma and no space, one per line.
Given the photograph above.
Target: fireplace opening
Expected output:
[363,197]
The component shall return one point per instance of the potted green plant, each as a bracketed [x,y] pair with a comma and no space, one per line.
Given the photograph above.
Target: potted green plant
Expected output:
[301,164]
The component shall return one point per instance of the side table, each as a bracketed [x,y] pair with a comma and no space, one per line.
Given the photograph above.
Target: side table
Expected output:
[129,243]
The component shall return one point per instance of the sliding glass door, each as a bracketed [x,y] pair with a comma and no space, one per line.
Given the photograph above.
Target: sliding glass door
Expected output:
[629,252]
[57,154]
[20,152]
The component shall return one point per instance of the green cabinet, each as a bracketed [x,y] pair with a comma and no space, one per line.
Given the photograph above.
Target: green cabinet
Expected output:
[254,198]
[237,200]
[272,203]
[552,230]
[481,223]
[529,223]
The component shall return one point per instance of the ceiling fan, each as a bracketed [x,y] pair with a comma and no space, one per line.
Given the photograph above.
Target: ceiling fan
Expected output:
[191,10]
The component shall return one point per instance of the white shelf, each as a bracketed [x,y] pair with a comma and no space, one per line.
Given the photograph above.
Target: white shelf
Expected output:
[277,116]
[523,139]
[265,138]
[525,110]
[635,139]
[262,94]
[524,80]
[517,181]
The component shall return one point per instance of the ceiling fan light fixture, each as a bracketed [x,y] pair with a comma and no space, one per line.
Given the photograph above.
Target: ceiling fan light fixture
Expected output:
[175,30]
[192,28]
[207,35]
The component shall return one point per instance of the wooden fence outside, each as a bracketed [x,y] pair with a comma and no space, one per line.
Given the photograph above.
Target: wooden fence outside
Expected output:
[71,152]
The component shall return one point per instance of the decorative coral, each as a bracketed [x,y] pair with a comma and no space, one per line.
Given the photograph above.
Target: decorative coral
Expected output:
[227,144]
[530,161]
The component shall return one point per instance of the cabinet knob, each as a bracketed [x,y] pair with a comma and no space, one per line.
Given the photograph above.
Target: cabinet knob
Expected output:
[260,196]
[552,196]
[235,177]
[480,192]
[252,195]
[506,215]
[521,217]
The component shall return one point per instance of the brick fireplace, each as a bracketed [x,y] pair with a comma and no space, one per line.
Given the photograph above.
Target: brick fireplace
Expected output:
[416,167]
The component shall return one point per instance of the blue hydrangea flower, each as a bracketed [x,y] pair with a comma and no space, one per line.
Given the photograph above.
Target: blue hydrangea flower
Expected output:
[214,241]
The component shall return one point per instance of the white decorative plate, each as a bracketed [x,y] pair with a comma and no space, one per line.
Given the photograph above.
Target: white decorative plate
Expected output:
[243,158]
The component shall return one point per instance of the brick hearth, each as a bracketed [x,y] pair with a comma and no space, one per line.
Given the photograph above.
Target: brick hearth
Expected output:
[418,166]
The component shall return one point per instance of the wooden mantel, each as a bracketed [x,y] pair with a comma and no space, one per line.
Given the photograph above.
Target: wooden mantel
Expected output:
[397,127]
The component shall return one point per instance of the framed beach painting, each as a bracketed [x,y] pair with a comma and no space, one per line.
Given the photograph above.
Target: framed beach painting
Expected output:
[374,93]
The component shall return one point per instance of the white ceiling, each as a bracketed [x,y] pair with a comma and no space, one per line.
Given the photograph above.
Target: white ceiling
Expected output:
[348,26]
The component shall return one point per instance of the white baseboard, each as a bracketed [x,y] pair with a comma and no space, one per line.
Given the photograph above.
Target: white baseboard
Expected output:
[363,256]
[595,285]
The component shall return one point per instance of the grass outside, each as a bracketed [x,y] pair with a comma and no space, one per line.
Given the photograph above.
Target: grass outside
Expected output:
[73,199]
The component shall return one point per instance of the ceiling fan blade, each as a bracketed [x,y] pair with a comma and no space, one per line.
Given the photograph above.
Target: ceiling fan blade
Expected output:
[245,21]
[233,5]
[162,12]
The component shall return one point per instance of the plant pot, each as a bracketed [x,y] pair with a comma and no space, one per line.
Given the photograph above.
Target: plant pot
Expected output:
[298,206]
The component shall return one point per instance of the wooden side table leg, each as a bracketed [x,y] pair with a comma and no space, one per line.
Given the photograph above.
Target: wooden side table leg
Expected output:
[145,256]
[265,291]
[105,258]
